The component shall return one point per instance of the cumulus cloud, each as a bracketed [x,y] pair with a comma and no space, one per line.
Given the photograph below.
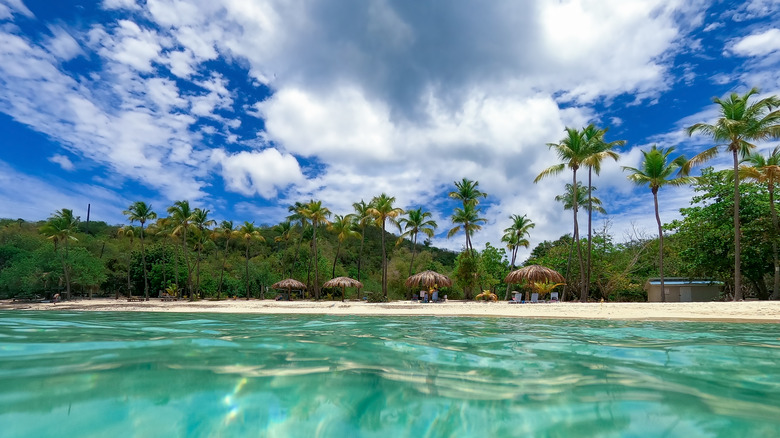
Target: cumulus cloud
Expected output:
[758,44]
[354,99]
[263,173]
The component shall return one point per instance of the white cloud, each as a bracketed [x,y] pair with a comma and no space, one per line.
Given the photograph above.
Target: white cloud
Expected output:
[63,45]
[62,160]
[262,173]
[758,44]
[9,7]
[120,4]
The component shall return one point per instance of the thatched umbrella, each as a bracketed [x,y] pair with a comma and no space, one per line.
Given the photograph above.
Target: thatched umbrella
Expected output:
[343,283]
[289,284]
[534,274]
[428,279]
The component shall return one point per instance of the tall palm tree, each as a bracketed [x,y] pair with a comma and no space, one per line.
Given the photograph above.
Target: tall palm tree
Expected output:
[249,232]
[416,221]
[569,200]
[600,150]
[572,150]
[767,170]
[656,172]
[740,123]
[362,219]
[181,218]
[383,211]
[468,192]
[466,219]
[342,227]
[514,237]
[316,214]
[60,229]
[201,222]
[227,231]
[141,211]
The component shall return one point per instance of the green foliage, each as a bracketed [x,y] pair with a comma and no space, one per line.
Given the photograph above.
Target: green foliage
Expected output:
[706,232]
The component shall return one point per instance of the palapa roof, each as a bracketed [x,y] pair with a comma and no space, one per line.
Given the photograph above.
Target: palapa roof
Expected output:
[289,284]
[343,282]
[535,274]
[428,278]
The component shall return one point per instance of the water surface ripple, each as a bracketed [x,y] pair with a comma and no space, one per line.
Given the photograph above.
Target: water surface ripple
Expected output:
[152,374]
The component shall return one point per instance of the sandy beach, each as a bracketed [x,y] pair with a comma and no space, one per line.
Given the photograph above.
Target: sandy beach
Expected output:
[747,311]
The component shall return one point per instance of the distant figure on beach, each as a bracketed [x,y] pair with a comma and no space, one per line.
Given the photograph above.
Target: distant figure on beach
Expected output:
[55,298]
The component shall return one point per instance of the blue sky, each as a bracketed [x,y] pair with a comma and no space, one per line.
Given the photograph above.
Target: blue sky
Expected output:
[245,107]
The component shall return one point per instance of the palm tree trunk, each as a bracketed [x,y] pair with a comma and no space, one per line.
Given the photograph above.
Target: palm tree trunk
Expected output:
[512,267]
[414,248]
[590,234]
[384,263]
[567,287]
[316,266]
[222,272]
[776,286]
[187,260]
[176,267]
[247,270]
[197,270]
[338,249]
[143,262]
[360,256]
[737,233]
[583,291]
[660,245]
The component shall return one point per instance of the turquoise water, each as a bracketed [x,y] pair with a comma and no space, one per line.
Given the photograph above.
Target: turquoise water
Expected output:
[151,374]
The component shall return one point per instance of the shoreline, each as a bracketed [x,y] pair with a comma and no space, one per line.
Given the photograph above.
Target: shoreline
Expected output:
[744,311]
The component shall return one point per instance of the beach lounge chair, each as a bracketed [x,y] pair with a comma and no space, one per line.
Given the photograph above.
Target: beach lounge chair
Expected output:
[435,297]
[517,298]
[553,297]
[535,297]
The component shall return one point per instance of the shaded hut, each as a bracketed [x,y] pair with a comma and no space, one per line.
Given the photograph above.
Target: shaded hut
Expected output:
[289,284]
[428,279]
[343,283]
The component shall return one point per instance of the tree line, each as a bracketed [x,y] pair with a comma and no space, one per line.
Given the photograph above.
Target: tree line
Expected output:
[186,253]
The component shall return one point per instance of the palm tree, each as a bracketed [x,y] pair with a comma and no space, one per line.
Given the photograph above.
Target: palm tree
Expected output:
[468,192]
[767,170]
[514,236]
[655,172]
[466,219]
[416,222]
[141,211]
[316,214]
[60,229]
[341,226]
[383,211]
[227,231]
[362,218]
[181,218]
[249,232]
[600,150]
[740,123]
[201,222]
[573,150]
[583,198]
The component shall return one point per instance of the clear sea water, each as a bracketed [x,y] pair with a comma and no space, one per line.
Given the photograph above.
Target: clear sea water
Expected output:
[224,375]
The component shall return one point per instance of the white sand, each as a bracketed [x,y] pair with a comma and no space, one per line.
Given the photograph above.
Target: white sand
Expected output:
[747,311]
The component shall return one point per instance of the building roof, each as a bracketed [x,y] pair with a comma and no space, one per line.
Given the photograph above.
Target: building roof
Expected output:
[679,281]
